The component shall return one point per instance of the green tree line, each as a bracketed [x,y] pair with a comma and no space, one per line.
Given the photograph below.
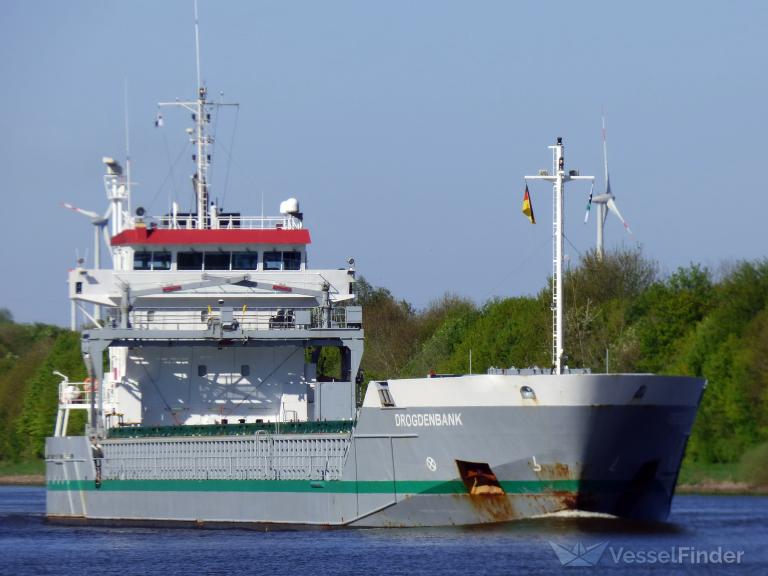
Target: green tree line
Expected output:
[29,353]
[622,315]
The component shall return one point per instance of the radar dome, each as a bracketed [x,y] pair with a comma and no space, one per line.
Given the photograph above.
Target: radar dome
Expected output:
[290,206]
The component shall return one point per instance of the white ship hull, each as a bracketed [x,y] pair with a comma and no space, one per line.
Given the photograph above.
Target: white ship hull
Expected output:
[452,451]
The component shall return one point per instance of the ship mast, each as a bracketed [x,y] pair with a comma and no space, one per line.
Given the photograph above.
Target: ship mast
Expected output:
[559,177]
[199,135]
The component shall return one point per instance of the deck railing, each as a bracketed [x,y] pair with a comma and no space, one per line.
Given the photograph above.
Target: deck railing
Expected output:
[75,393]
[228,222]
[249,319]
[258,457]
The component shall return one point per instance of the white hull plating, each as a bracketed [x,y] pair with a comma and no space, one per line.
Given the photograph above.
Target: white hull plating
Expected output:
[586,442]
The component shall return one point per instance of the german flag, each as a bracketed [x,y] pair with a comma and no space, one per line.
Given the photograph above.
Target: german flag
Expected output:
[527,206]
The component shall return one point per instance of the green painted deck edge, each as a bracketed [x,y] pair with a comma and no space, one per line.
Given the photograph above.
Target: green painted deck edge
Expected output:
[332,487]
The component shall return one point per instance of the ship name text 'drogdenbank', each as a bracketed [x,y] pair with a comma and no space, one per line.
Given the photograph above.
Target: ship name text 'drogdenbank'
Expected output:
[428,419]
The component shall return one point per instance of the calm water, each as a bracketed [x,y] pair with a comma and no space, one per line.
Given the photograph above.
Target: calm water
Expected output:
[733,523]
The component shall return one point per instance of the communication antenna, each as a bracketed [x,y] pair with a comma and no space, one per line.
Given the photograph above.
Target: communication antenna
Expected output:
[121,222]
[197,47]
[200,110]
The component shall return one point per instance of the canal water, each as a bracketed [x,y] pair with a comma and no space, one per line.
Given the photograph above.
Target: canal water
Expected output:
[704,535]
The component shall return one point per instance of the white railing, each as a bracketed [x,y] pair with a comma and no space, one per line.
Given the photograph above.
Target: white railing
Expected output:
[251,319]
[262,457]
[75,393]
[229,222]
[72,396]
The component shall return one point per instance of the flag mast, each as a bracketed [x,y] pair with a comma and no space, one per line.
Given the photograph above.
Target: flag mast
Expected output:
[558,178]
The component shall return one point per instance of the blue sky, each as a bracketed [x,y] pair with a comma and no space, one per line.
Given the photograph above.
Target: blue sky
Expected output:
[404,129]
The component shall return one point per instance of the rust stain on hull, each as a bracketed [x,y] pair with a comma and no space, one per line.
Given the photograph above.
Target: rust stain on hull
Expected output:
[492,504]
[492,507]
[506,507]
[554,471]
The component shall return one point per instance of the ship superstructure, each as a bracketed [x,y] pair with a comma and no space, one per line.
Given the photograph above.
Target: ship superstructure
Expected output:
[215,407]
[181,282]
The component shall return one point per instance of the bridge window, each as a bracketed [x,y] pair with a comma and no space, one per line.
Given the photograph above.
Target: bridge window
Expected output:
[282,260]
[291,260]
[273,260]
[217,260]
[142,260]
[245,260]
[189,261]
[161,260]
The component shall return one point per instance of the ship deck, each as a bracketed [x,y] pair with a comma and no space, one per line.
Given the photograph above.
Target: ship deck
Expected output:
[237,429]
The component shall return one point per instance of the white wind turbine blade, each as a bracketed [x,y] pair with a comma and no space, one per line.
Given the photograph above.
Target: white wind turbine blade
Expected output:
[615,209]
[605,158]
[103,223]
[589,203]
[107,240]
[88,213]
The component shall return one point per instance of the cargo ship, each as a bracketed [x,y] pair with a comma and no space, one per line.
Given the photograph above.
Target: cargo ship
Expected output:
[205,403]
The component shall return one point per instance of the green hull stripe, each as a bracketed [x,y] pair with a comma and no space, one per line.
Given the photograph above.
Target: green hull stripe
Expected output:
[332,486]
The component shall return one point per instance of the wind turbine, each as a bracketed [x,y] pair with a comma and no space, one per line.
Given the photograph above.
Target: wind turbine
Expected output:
[118,194]
[99,229]
[606,202]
